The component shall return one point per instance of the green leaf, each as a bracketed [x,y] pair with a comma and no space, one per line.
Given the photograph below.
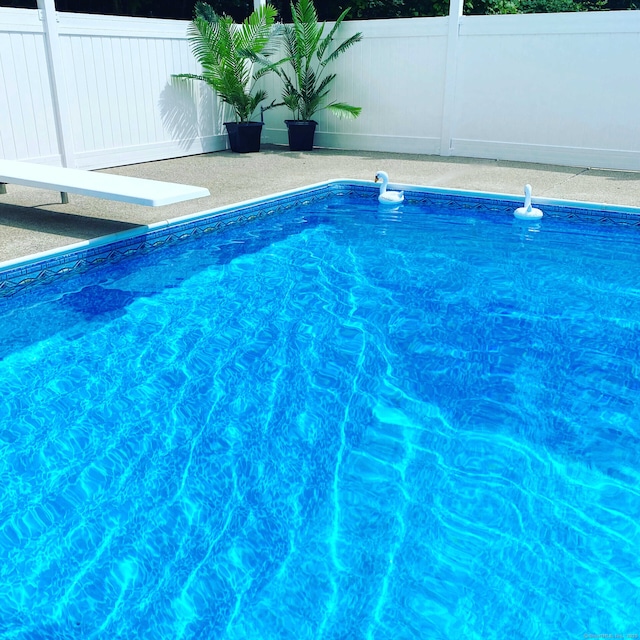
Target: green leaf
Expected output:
[343,110]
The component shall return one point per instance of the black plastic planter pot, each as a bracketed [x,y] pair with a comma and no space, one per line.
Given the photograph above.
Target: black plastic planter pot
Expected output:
[301,134]
[244,137]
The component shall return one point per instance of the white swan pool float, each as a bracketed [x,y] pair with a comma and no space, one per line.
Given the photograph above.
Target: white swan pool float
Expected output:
[387,197]
[527,212]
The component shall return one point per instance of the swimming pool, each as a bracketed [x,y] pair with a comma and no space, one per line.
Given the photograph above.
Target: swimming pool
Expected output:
[312,417]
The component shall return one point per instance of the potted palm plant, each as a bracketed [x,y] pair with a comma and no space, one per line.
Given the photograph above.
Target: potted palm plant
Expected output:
[304,73]
[233,57]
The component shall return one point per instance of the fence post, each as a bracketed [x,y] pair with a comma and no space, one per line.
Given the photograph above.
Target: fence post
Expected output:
[453,35]
[55,68]
[259,3]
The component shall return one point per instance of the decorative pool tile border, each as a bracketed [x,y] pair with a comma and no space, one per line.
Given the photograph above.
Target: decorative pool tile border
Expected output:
[628,216]
[16,278]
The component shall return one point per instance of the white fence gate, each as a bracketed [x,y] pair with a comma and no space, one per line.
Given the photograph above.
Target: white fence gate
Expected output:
[553,88]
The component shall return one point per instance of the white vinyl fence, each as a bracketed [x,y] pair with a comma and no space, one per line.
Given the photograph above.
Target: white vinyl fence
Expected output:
[553,88]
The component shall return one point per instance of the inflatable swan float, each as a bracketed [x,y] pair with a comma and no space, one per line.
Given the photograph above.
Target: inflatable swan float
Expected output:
[527,212]
[387,197]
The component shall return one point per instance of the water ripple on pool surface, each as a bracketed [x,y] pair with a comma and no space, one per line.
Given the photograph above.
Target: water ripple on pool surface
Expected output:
[336,424]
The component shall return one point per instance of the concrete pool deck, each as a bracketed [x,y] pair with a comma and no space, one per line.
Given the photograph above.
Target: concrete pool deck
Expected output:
[33,220]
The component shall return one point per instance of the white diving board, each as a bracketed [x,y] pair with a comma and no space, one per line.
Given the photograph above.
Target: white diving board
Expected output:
[151,193]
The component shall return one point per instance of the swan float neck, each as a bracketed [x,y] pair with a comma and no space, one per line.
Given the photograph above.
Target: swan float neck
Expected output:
[527,212]
[387,197]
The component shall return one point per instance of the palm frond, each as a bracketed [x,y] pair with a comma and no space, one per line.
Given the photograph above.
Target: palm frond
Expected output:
[256,29]
[188,76]
[204,10]
[322,47]
[304,11]
[255,100]
[325,82]
[289,42]
[343,110]
[347,44]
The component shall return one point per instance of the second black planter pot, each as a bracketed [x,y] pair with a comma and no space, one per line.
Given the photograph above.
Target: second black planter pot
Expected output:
[301,133]
[244,137]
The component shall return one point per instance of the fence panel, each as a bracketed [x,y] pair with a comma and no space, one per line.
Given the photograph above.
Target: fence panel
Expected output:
[556,88]
[27,126]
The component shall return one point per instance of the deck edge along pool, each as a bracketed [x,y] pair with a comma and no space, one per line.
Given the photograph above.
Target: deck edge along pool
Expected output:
[43,267]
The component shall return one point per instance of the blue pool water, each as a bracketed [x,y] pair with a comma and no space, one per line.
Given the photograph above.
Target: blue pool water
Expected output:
[333,422]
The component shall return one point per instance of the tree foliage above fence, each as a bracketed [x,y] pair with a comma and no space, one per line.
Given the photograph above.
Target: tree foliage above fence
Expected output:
[328,9]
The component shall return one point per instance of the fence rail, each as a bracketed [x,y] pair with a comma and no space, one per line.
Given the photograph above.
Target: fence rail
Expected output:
[552,88]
